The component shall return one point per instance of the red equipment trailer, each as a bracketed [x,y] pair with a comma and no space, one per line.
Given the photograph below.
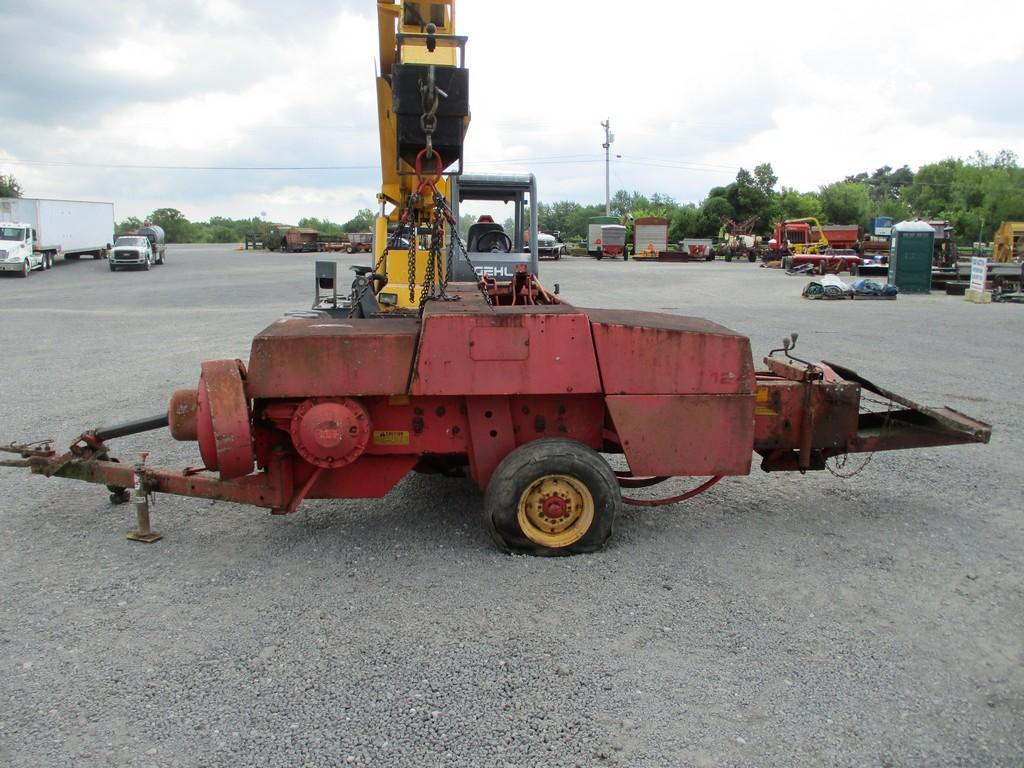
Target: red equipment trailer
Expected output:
[524,397]
[840,237]
[825,263]
[503,380]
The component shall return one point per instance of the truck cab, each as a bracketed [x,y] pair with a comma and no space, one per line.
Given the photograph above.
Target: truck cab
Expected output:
[131,251]
[17,252]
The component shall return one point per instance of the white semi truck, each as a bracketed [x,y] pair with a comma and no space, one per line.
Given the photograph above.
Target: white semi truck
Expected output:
[34,232]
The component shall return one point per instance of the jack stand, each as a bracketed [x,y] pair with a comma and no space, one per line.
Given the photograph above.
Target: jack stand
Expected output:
[140,498]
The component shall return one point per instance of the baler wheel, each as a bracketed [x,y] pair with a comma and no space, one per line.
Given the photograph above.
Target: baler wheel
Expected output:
[552,497]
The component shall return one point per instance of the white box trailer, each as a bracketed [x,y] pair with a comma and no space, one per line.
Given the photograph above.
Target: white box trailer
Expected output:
[650,234]
[68,228]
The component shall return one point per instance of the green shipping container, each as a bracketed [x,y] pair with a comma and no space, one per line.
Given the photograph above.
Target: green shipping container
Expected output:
[910,256]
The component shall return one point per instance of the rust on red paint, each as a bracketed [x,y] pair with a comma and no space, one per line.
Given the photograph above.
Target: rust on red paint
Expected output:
[222,419]
[491,435]
[524,351]
[645,353]
[685,435]
[467,383]
[182,415]
[326,357]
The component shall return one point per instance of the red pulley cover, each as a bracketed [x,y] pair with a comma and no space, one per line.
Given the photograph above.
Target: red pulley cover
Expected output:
[223,425]
[330,433]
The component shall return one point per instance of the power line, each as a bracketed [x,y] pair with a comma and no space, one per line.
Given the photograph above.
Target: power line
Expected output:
[139,167]
[552,160]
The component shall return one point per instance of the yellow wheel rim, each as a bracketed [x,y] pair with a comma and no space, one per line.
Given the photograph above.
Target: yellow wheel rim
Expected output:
[555,511]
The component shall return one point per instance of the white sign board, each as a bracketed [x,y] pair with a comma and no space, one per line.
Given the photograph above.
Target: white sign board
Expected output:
[979,270]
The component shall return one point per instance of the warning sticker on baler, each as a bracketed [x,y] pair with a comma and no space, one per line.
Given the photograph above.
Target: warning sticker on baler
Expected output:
[761,409]
[390,437]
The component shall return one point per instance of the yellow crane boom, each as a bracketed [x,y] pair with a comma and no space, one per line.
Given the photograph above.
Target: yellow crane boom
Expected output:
[423,116]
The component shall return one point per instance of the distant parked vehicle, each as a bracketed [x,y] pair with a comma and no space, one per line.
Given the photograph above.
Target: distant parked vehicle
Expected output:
[594,225]
[16,252]
[68,228]
[612,242]
[292,239]
[157,241]
[548,246]
[131,251]
[359,242]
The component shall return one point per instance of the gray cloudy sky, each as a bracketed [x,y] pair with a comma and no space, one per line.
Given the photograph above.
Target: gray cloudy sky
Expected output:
[694,91]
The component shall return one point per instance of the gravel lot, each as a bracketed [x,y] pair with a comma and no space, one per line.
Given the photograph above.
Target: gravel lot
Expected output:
[775,621]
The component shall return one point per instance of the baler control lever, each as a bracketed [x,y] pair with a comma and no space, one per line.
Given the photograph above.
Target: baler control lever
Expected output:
[788,345]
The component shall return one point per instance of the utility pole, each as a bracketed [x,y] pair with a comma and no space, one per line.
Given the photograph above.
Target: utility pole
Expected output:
[609,137]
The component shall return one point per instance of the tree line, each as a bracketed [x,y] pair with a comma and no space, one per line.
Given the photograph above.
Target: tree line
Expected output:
[220,229]
[975,195]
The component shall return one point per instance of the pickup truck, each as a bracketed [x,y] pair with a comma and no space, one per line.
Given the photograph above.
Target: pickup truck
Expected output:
[131,251]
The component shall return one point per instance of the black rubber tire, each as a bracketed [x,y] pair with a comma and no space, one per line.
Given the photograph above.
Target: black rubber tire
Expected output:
[97,256]
[145,266]
[549,456]
[26,269]
[113,268]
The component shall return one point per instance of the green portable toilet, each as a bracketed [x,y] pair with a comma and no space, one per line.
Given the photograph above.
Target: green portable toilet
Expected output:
[910,256]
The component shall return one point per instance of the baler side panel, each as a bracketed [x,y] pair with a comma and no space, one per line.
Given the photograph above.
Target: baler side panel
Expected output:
[371,477]
[685,435]
[321,357]
[505,353]
[644,353]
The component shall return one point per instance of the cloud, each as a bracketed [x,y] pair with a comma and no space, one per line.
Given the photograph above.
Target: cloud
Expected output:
[692,96]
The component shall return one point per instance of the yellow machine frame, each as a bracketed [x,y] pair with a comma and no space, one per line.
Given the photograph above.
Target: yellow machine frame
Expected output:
[818,246]
[1009,241]
[397,188]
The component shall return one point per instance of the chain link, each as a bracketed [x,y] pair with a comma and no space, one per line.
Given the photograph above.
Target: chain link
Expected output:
[411,262]
[435,286]
[457,238]
[428,119]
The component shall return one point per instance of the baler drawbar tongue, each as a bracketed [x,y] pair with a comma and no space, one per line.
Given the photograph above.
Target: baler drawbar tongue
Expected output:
[911,426]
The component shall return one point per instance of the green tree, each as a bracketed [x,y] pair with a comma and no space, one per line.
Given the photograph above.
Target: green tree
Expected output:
[975,195]
[765,179]
[752,194]
[177,228]
[798,205]
[685,222]
[712,211]
[9,186]
[130,224]
[846,202]
[885,183]
[361,222]
[557,217]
